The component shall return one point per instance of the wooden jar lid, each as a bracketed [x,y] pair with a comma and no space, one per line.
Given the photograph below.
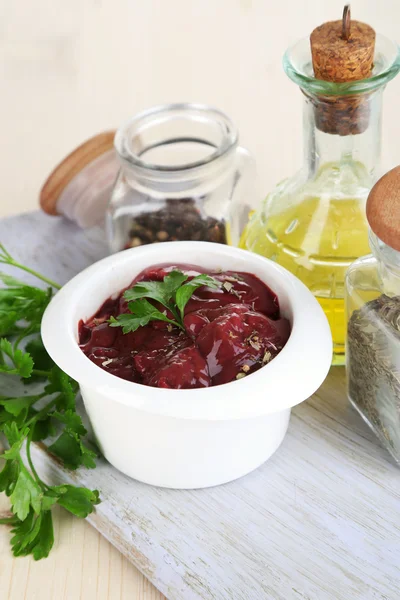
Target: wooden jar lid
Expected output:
[383,208]
[78,186]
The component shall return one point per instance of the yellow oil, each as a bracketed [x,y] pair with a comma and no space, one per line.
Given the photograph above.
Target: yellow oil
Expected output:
[316,239]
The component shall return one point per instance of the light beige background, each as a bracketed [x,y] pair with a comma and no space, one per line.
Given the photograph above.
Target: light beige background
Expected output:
[70,68]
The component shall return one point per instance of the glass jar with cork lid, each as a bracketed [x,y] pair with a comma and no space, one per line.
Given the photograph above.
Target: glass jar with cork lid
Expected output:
[373,318]
[314,222]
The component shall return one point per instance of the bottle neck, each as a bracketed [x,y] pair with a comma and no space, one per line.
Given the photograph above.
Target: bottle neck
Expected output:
[343,135]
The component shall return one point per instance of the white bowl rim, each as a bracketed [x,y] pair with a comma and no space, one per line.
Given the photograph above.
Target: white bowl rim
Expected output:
[290,378]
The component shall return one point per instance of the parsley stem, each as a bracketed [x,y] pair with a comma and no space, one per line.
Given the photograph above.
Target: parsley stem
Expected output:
[30,462]
[42,412]
[12,262]
[40,373]
[178,320]
[17,342]
[176,323]
[6,254]
[22,335]
[9,520]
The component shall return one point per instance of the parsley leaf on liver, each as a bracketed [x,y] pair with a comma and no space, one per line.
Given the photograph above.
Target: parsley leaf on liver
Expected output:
[141,313]
[173,293]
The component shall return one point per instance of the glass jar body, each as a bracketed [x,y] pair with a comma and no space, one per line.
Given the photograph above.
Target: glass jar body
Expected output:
[373,342]
[182,177]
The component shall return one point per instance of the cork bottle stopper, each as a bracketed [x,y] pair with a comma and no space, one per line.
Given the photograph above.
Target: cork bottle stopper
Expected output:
[383,208]
[80,185]
[342,52]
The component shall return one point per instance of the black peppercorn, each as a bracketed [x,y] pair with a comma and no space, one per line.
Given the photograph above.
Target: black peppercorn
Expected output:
[179,220]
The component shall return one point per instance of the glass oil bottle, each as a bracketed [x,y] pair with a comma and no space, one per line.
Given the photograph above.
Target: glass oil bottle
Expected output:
[314,223]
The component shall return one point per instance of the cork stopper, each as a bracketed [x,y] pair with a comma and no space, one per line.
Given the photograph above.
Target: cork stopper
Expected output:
[342,51]
[80,185]
[383,208]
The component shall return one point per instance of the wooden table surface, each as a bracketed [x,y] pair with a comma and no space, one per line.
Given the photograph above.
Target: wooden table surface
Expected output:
[318,521]
[82,565]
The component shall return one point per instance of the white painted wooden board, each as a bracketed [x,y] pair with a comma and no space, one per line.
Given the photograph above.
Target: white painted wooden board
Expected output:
[319,521]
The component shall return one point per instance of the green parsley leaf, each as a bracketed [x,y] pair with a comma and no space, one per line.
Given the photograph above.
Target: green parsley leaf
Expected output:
[45,537]
[9,476]
[161,291]
[48,502]
[14,451]
[40,357]
[72,451]
[79,501]
[10,281]
[24,533]
[185,292]
[15,438]
[67,448]
[13,434]
[142,312]
[42,429]
[88,457]
[72,420]
[60,382]
[15,406]
[34,535]
[21,361]
[26,494]
[8,322]
[21,308]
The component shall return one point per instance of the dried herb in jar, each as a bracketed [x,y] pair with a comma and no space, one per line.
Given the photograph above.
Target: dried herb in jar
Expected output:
[373,346]
[179,220]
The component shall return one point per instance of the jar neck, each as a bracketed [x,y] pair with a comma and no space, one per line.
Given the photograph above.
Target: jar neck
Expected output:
[343,133]
[177,149]
[388,265]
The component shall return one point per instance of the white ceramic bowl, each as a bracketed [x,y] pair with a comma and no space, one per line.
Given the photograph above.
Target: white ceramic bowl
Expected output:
[200,437]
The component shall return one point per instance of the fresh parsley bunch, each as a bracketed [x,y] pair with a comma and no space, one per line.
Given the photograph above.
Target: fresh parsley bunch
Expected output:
[27,418]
